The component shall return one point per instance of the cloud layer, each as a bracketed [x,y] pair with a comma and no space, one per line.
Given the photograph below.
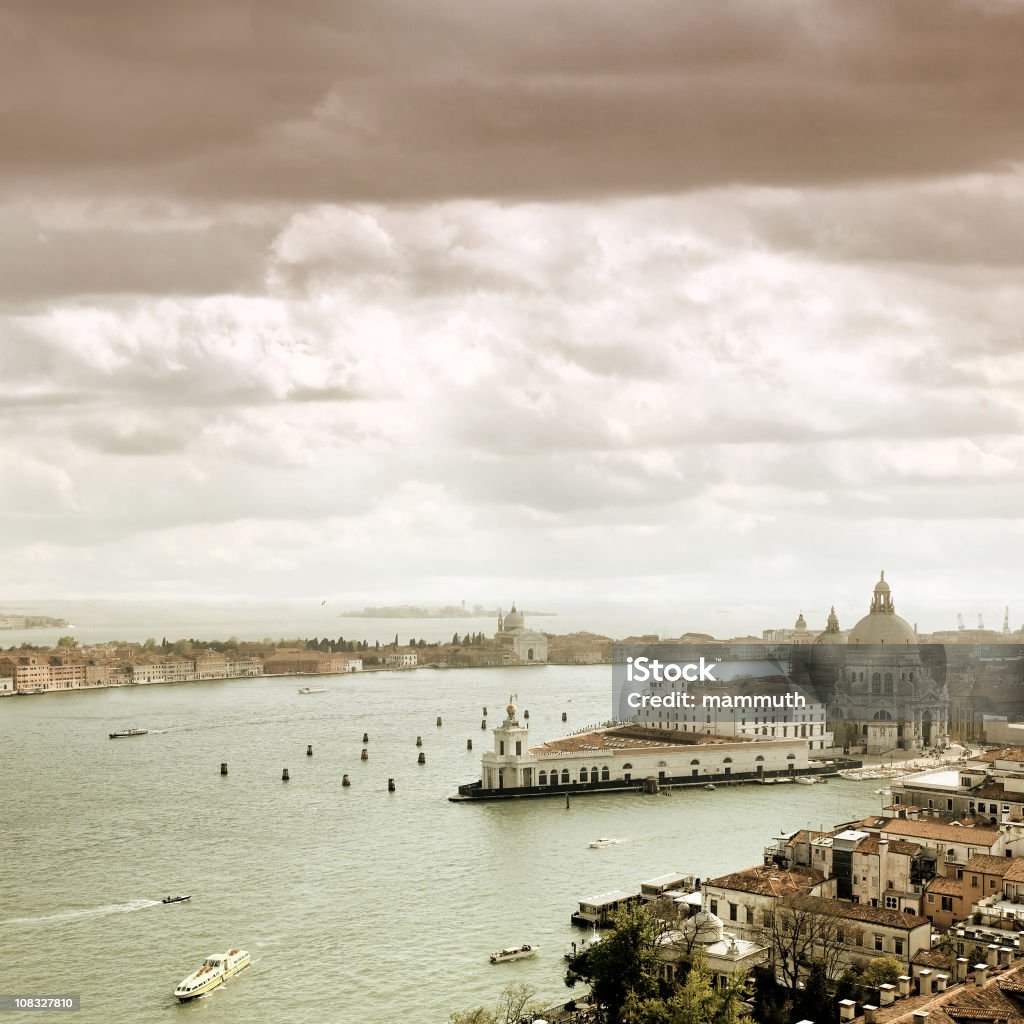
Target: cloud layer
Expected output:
[688,307]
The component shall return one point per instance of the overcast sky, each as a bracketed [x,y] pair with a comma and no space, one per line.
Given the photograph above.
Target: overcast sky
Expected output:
[714,308]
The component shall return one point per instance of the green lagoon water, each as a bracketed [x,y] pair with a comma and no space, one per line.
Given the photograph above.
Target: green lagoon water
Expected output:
[357,905]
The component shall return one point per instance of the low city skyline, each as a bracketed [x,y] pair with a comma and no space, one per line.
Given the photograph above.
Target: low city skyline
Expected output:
[682,315]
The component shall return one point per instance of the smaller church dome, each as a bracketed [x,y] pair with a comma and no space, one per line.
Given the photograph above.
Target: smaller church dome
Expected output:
[801,623]
[881,587]
[705,928]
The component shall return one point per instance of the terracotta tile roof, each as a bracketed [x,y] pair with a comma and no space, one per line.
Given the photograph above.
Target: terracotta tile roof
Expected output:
[1006,754]
[941,831]
[933,958]
[997,1002]
[990,791]
[635,738]
[946,886]
[769,881]
[988,864]
[863,912]
[898,846]
[1015,872]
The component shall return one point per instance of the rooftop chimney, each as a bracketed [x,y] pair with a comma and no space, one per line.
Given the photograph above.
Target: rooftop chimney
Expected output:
[980,974]
[886,994]
[870,1013]
[847,1009]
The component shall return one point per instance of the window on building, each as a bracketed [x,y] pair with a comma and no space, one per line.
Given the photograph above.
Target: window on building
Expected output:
[733,911]
[878,943]
[519,747]
[947,902]
[897,947]
[892,903]
[501,746]
[713,905]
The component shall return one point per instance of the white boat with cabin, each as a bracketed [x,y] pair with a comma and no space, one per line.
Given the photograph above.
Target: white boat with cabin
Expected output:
[312,689]
[216,969]
[600,844]
[515,953]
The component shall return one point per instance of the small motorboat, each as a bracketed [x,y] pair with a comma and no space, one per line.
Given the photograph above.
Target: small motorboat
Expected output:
[176,899]
[515,953]
[600,844]
[710,785]
[128,732]
[312,689]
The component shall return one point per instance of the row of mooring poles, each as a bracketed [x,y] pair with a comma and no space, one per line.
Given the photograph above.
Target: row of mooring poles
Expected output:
[364,754]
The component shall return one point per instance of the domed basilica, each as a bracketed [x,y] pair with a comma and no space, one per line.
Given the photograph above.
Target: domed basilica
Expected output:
[884,695]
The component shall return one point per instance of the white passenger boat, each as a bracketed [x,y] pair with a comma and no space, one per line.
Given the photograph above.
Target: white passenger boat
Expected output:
[216,969]
[517,953]
[600,844]
[312,689]
[122,733]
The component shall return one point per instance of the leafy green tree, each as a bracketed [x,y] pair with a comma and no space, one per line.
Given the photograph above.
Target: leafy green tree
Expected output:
[67,641]
[149,644]
[623,966]
[814,1001]
[883,970]
[697,1001]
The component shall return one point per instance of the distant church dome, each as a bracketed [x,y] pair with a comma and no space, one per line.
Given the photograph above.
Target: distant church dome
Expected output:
[882,625]
[801,623]
[514,619]
[831,633]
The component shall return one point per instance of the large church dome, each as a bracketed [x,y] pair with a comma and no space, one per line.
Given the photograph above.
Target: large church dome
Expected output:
[514,619]
[882,625]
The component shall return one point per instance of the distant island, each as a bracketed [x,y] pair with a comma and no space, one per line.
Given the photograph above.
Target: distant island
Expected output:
[415,611]
[8,621]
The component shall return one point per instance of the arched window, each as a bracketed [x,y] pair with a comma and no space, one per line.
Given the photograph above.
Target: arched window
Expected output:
[593,775]
[627,767]
[727,760]
[876,683]
[583,775]
[565,776]
[542,779]
[662,764]
[760,757]
[791,757]
[554,776]
[605,774]
[695,761]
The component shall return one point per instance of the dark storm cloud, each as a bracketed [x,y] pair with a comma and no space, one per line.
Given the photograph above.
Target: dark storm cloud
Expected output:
[107,253]
[395,99]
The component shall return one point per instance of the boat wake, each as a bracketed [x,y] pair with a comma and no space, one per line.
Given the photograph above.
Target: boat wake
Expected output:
[67,916]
